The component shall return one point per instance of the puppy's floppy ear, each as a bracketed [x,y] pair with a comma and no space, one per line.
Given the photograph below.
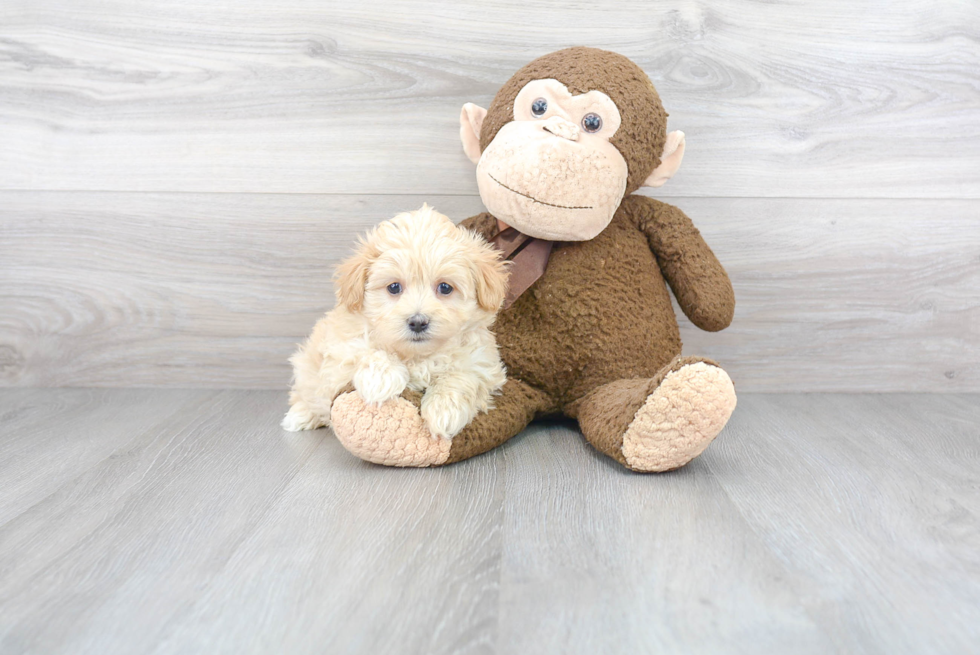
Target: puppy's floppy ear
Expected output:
[351,277]
[490,272]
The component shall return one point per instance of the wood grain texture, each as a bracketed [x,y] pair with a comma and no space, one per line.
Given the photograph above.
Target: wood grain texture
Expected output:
[831,99]
[214,290]
[816,523]
[46,440]
[627,563]
[860,488]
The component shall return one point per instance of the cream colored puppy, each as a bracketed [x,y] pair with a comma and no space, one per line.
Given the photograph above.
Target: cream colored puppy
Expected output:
[414,309]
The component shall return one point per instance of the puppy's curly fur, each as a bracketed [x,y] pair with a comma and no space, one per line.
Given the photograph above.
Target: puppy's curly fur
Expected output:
[414,309]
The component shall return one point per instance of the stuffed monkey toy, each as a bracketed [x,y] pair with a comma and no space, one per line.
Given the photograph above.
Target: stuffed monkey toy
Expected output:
[588,330]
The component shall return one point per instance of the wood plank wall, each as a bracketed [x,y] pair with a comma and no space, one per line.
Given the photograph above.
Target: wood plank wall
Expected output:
[177,179]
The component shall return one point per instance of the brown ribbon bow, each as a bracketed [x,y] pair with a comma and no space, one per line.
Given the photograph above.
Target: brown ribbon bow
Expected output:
[528,257]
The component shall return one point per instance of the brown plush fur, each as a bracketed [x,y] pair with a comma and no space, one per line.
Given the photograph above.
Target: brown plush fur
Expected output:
[601,314]
[514,408]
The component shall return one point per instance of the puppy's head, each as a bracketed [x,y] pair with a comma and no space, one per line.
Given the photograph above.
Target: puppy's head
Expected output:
[419,280]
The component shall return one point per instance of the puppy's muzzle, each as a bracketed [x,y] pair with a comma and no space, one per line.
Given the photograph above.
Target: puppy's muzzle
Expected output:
[418,324]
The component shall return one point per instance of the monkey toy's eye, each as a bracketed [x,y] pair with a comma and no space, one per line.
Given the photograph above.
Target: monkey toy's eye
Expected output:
[444,289]
[592,123]
[394,288]
[539,107]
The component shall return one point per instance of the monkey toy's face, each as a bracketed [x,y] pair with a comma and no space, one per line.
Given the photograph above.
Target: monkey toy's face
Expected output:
[565,137]
[556,163]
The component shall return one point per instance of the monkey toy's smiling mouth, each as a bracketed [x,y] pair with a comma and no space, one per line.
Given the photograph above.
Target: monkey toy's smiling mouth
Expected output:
[540,202]
[570,203]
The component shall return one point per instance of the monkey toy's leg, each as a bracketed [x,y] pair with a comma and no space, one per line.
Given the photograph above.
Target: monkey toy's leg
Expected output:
[394,434]
[659,423]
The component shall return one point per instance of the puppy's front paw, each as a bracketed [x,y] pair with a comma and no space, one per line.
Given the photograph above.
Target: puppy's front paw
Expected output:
[380,378]
[445,414]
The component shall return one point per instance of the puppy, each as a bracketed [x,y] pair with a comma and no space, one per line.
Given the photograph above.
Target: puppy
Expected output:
[414,309]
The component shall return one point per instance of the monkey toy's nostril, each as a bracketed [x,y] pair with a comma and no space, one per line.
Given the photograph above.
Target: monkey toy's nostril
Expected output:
[418,323]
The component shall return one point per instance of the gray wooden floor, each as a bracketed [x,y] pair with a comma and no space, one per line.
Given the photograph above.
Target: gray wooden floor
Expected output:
[170,521]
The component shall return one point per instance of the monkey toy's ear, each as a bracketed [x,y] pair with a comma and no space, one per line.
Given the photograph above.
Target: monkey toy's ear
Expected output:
[670,161]
[470,122]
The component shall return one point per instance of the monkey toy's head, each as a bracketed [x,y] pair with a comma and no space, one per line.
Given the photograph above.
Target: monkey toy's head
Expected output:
[565,139]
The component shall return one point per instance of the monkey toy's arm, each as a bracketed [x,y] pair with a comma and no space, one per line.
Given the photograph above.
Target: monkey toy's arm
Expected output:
[695,275]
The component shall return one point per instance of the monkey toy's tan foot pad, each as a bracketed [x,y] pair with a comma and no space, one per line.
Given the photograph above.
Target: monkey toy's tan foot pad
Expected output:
[680,418]
[392,434]
[659,423]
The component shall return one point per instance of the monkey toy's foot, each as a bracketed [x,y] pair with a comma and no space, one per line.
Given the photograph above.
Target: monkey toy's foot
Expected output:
[392,434]
[662,423]
[678,420]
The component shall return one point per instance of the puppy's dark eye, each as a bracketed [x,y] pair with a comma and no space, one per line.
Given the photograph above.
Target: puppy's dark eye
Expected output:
[444,289]
[394,288]
[592,123]
[539,107]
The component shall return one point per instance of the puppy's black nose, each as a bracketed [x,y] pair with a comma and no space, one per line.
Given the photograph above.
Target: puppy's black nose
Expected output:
[418,323]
